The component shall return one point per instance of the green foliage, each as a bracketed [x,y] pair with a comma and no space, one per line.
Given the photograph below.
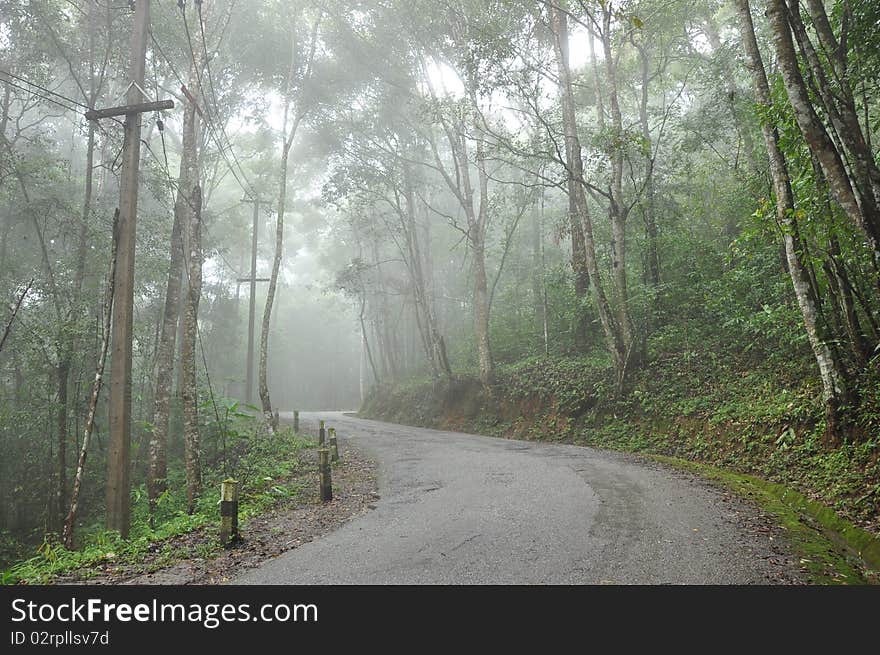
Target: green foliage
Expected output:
[263,468]
[700,403]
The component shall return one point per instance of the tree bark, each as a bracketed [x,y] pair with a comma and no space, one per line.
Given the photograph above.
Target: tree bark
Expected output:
[730,89]
[192,448]
[652,254]
[617,210]
[581,214]
[577,200]
[158,467]
[434,340]
[265,398]
[859,206]
[830,369]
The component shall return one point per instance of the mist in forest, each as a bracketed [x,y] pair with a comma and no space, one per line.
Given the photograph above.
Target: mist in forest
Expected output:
[444,192]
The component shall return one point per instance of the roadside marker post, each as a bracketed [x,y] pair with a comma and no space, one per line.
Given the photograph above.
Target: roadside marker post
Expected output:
[228,512]
[324,470]
[334,446]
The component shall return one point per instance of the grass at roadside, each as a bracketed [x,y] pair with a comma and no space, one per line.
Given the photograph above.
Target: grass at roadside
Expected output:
[833,550]
[265,467]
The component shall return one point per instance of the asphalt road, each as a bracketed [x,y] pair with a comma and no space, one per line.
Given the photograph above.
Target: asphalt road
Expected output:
[465,509]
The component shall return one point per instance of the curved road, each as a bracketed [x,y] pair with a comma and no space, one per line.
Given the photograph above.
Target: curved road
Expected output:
[462,509]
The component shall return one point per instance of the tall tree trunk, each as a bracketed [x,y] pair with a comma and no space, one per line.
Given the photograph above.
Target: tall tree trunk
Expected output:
[366,344]
[830,369]
[158,467]
[477,223]
[67,339]
[617,211]
[577,201]
[861,207]
[192,448]
[265,398]
[62,373]
[836,272]
[481,311]
[652,253]
[579,208]
[537,240]
[839,103]
[597,80]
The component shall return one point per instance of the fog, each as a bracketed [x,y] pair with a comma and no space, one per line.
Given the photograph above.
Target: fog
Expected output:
[447,192]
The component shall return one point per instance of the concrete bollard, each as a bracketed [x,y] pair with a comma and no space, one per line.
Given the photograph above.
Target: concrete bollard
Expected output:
[334,446]
[321,434]
[296,421]
[228,512]
[324,470]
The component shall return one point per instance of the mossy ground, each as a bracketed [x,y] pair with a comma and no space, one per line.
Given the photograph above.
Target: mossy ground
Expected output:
[833,550]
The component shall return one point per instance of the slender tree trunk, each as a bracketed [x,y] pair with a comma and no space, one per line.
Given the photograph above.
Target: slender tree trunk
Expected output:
[70,520]
[830,369]
[597,80]
[265,398]
[15,309]
[270,294]
[836,272]
[617,211]
[68,336]
[477,222]
[577,201]
[4,109]
[839,103]
[192,448]
[62,374]
[580,209]
[537,264]
[366,343]
[652,254]
[481,312]
[859,206]
[158,467]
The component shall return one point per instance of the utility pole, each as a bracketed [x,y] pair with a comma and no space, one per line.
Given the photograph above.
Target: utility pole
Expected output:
[249,385]
[118,465]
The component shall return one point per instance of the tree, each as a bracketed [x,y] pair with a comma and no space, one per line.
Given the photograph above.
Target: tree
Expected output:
[183,208]
[299,74]
[834,385]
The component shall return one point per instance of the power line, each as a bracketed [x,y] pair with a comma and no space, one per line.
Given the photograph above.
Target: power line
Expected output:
[166,58]
[211,86]
[208,124]
[210,117]
[207,58]
[165,167]
[208,121]
[42,88]
[46,98]
[186,262]
[43,97]
[175,188]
